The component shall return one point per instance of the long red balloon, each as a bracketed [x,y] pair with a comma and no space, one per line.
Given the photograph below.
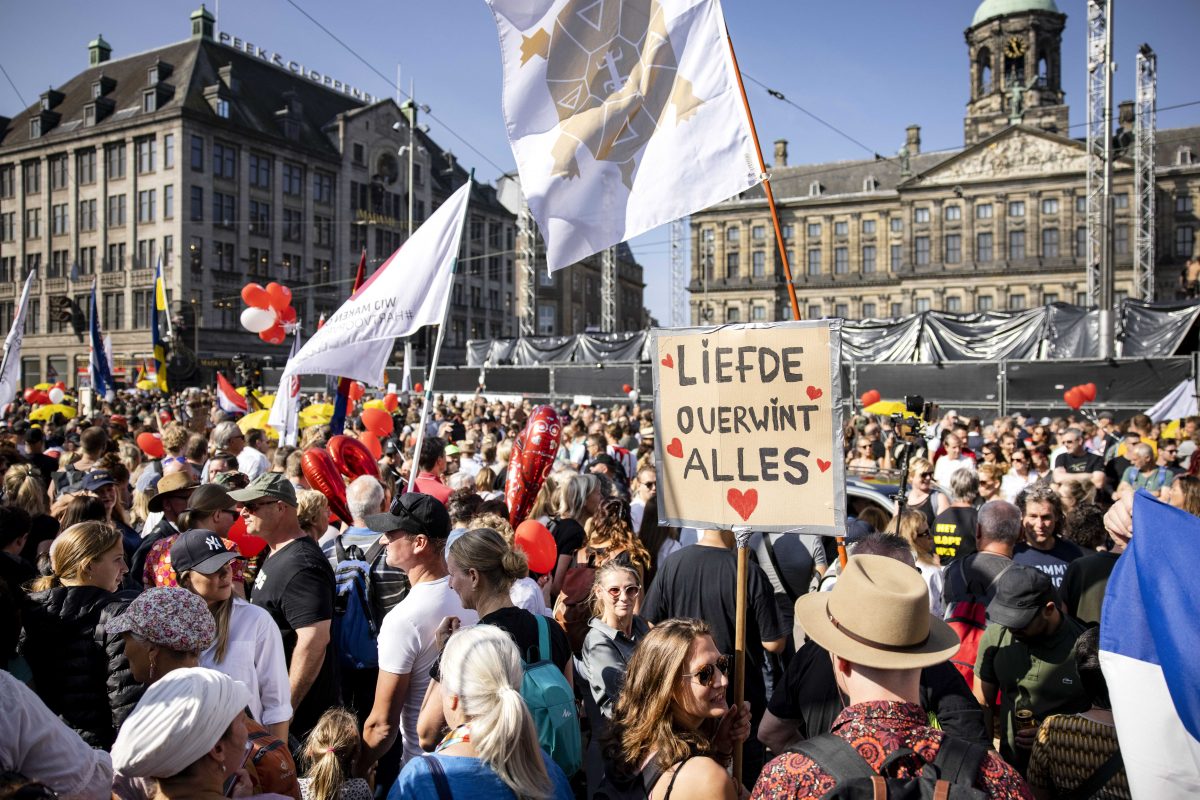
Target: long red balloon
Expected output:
[531,461]
[322,475]
[352,458]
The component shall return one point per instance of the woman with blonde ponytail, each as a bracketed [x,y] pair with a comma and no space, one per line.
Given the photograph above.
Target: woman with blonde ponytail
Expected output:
[482,566]
[330,750]
[492,749]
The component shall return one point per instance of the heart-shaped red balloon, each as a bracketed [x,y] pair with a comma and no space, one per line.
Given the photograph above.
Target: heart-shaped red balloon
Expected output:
[351,457]
[870,397]
[322,475]
[1073,397]
[1089,392]
[531,460]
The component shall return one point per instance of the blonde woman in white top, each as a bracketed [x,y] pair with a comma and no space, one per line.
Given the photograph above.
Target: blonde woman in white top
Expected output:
[248,645]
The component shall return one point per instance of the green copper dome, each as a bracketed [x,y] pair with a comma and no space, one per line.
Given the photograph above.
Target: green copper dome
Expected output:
[990,9]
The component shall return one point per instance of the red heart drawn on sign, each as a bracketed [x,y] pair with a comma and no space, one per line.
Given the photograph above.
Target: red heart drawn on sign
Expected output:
[668,361]
[743,503]
[823,464]
[813,392]
[675,448]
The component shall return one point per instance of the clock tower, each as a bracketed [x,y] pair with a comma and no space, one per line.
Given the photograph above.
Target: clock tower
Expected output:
[1015,49]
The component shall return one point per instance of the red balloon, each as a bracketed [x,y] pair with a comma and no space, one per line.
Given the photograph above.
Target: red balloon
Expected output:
[371,442]
[352,457]
[322,475]
[279,296]
[377,421]
[870,397]
[287,315]
[1073,398]
[419,388]
[391,402]
[255,296]
[357,390]
[626,388]
[274,334]
[29,395]
[150,444]
[1089,392]
[533,539]
[60,386]
[38,398]
[531,460]
[248,544]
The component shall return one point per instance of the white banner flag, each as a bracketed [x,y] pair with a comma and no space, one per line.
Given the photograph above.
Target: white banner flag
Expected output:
[623,115]
[409,291]
[284,411]
[10,367]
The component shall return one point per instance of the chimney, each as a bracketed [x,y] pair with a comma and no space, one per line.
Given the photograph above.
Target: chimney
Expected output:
[913,139]
[99,51]
[203,23]
[780,153]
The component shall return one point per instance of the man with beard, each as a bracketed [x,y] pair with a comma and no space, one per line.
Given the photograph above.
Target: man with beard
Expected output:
[1026,656]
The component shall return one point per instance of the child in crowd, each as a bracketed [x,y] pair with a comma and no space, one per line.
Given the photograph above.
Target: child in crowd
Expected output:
[330,751]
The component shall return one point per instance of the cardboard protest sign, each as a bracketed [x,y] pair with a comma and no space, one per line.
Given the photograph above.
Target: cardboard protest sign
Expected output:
[748,424]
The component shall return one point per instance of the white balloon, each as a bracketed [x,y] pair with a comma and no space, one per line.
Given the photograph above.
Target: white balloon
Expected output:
[56,395]
[257,320]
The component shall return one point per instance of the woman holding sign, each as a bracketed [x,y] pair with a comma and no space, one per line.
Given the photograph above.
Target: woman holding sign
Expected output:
[678,743]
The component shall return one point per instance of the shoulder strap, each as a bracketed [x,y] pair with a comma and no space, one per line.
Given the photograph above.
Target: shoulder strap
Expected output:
[373,551]
[544,653]
[836,756]
[770,548]
[338,550]
[439,777]
[1098,779]
[671,785]
[958,761]
[992,583]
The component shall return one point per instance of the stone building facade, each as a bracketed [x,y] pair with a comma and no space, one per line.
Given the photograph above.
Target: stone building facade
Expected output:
[996,225]
[233,165]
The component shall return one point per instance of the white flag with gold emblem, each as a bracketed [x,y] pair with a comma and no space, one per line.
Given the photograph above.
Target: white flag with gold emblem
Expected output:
[623,115]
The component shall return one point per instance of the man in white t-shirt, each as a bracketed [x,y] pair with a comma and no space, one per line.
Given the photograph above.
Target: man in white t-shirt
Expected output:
[952,461]
[416,529]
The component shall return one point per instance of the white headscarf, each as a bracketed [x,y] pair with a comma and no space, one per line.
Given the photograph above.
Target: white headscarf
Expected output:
[179,719]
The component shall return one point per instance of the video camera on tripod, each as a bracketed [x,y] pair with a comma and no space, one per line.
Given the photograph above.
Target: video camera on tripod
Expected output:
[917,416]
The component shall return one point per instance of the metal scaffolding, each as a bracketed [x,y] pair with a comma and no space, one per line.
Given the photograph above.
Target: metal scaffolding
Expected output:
[679,300]
[608,290]
[1097,75]
[1143,182]
[527,264]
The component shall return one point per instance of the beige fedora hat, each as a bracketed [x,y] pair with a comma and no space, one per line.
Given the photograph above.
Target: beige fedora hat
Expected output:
[878,615]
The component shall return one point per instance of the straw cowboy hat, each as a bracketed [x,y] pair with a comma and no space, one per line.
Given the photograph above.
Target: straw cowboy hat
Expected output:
[877,615]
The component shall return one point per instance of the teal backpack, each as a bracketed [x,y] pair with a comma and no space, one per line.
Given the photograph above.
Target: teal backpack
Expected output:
[551,702]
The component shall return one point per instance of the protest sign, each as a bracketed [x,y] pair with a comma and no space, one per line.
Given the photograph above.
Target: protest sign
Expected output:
[749,427]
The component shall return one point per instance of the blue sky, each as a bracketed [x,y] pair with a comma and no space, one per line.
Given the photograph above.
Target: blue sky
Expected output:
[868,67]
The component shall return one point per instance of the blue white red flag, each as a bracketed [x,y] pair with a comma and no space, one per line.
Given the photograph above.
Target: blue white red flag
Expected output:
[1149,648]
[98,359]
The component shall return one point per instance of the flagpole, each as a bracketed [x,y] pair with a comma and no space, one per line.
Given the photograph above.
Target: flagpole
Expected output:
[742,538]
[762,167]
[437,349]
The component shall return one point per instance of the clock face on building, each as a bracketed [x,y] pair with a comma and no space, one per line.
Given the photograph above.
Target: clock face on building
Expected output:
[1014,47]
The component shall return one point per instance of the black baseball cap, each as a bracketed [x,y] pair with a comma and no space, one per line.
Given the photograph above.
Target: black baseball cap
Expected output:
[413,512]
[97,478]
[1021,592]
[201,550]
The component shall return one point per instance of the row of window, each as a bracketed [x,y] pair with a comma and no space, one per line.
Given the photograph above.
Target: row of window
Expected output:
[145,152]
[61,265]
[952,251]
[223,163]
[60,218]
[922,214]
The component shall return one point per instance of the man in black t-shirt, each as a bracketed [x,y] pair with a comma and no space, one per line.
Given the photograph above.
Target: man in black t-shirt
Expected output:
[700,582]
[296,586]
[1077,464]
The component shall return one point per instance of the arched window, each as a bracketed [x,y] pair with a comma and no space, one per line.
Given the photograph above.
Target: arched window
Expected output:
[984,71]
[1043,75]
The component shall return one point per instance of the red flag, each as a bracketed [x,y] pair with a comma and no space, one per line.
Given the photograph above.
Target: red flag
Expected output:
[228,398]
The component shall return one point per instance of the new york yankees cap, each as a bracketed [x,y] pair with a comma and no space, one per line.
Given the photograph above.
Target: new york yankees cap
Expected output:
[200,550]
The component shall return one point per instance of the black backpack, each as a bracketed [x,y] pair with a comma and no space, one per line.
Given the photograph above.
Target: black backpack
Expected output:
[951,776]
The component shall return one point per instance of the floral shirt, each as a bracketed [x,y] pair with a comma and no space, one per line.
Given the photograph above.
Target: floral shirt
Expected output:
[159,572]
[877,729]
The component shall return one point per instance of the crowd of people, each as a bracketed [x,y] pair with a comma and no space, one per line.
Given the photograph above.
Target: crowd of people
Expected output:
[196,621]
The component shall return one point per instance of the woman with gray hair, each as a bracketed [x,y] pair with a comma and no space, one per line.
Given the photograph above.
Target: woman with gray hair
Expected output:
[954,528]
[578,499]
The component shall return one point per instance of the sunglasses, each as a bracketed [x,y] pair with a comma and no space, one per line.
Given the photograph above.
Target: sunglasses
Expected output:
[617,592]
[925,475]
[253,508]
[708,672]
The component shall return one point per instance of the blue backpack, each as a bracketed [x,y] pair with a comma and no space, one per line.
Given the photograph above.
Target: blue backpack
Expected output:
[551,702]
[355,630]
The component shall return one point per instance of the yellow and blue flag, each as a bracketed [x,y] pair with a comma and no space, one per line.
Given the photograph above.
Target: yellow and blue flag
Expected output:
[158,314]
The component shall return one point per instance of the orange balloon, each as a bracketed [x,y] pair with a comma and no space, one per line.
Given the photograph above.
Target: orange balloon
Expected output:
[377,421]
[150,444]
[391,402]
[280,296]
[287,314]
[274,334]
[372,443]
[357,390]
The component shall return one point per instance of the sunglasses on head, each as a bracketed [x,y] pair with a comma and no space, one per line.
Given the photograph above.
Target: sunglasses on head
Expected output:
[708,672]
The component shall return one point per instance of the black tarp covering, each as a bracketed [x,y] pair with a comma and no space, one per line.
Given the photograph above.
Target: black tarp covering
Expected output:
[1053,332]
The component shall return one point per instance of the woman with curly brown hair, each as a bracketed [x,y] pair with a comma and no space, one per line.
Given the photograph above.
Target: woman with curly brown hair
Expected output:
[610,536]
[672,732]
